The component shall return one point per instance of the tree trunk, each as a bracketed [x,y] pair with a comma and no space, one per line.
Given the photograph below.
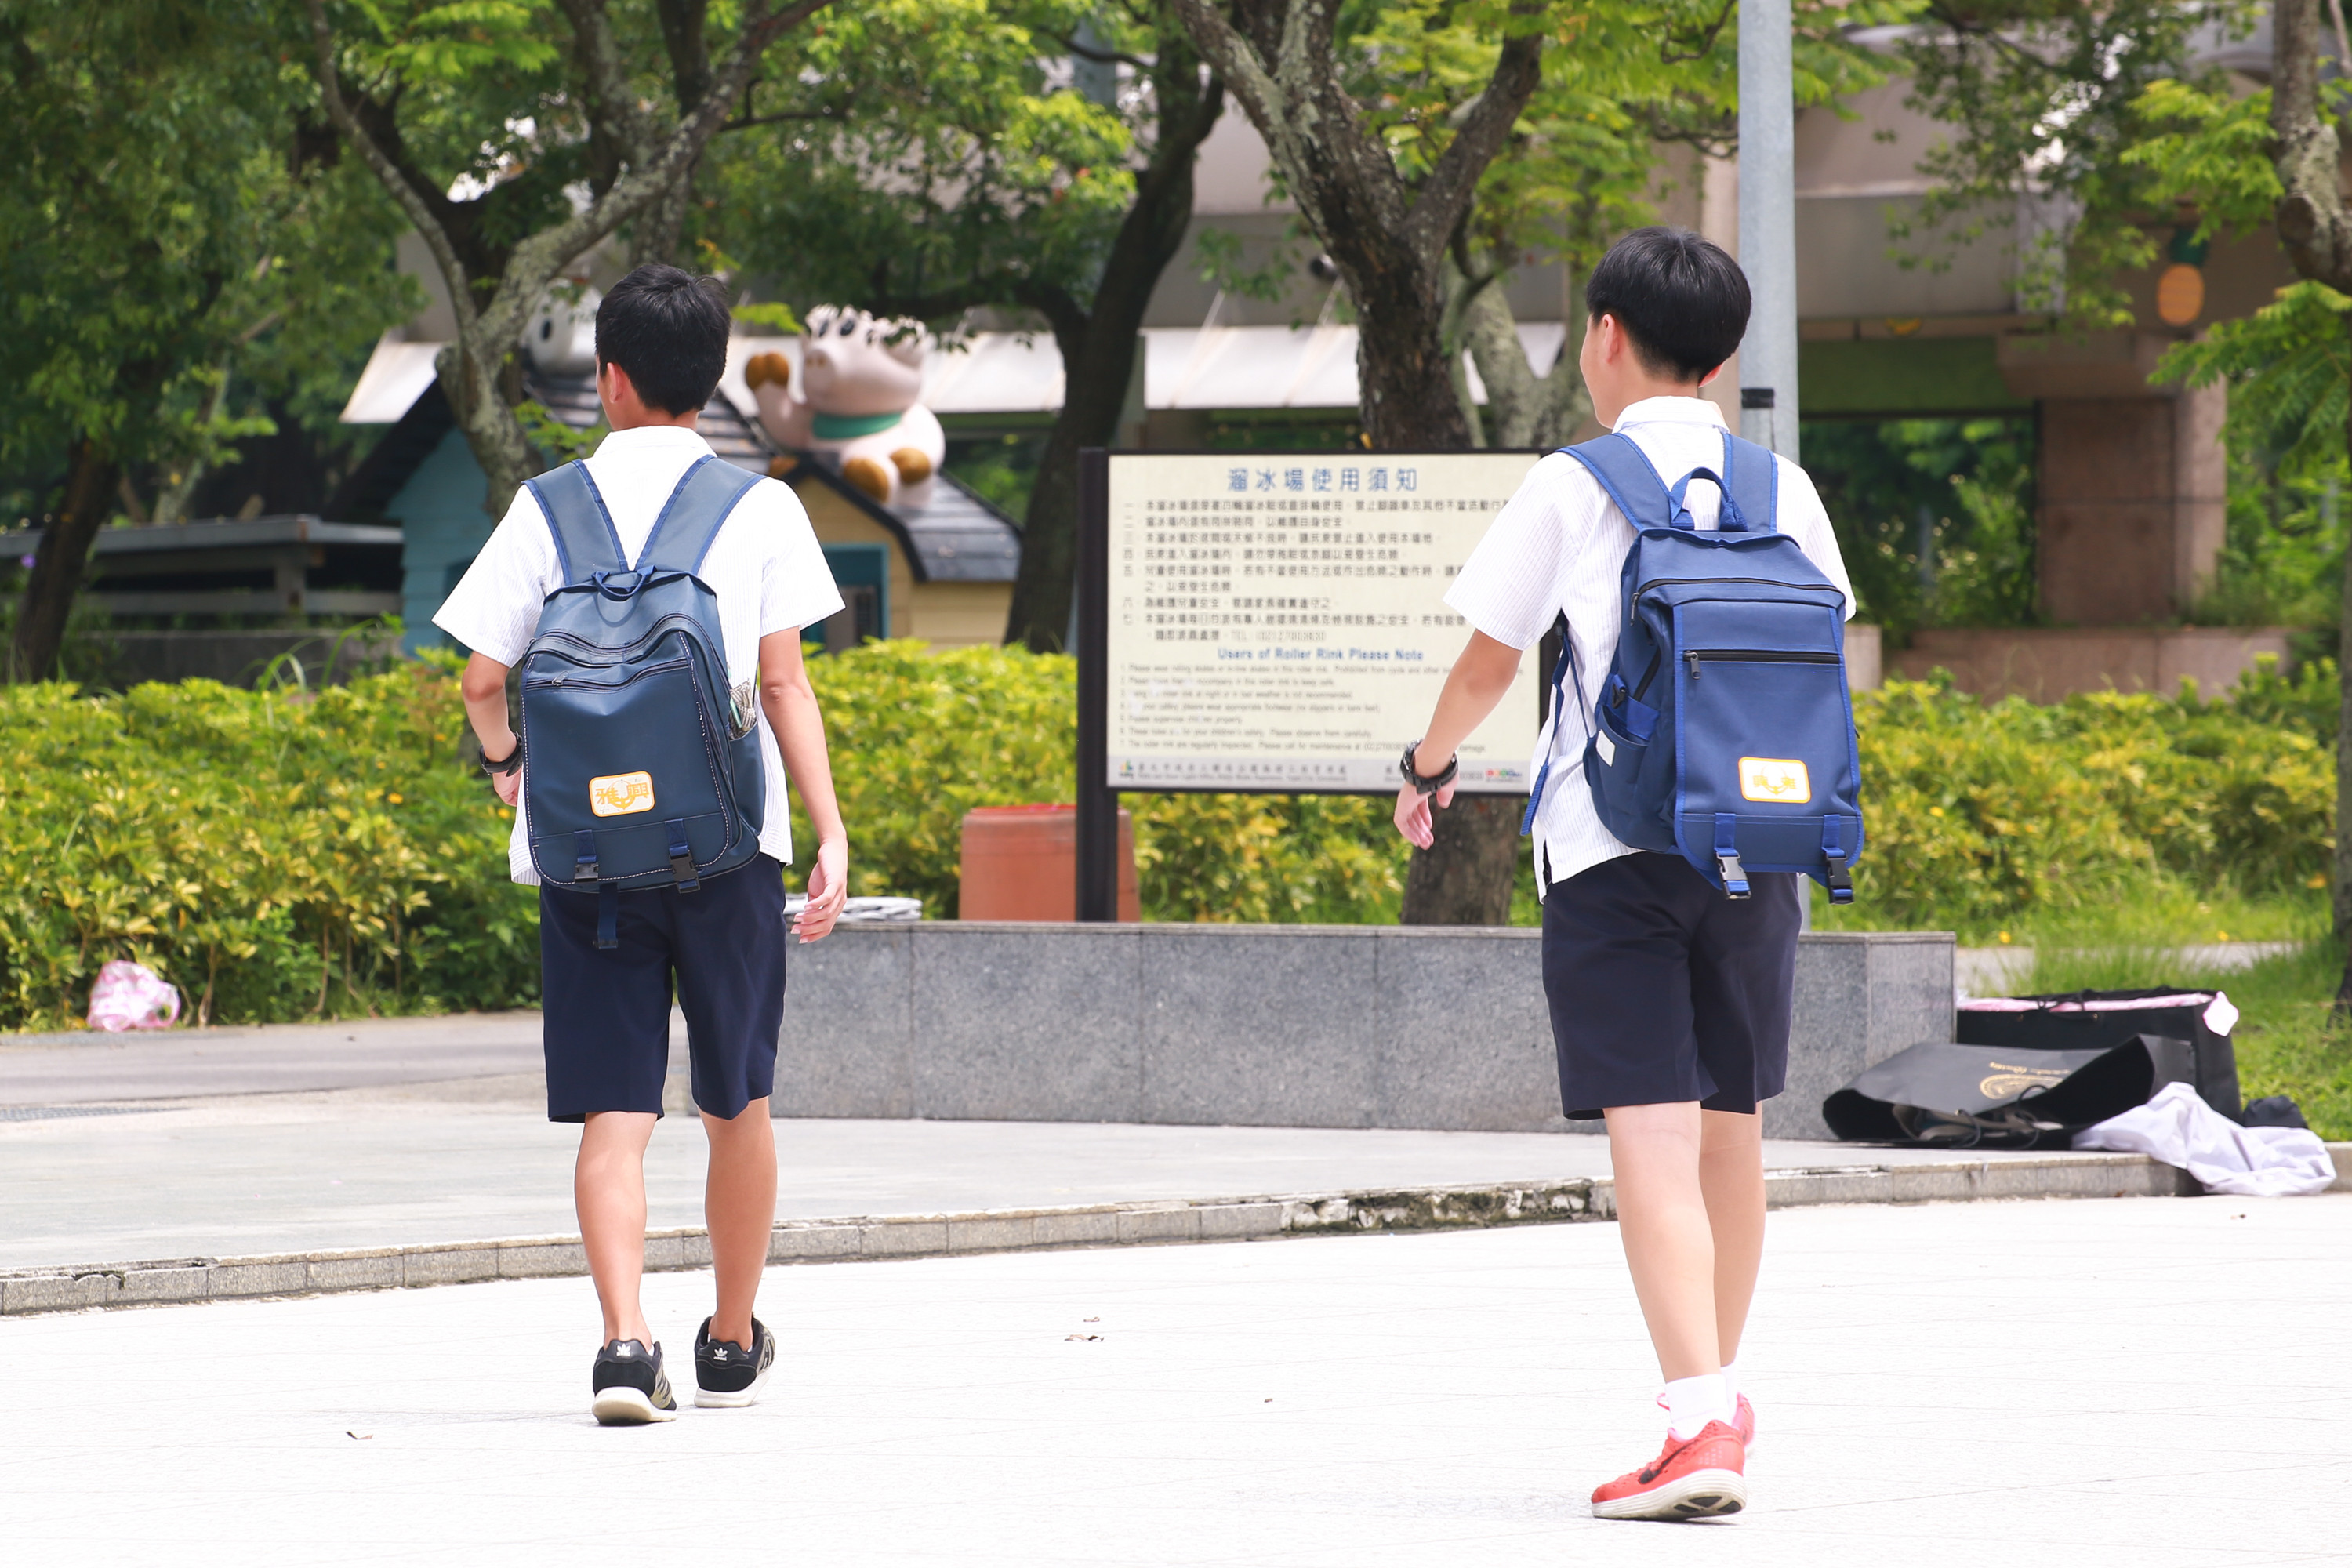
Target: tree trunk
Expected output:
[470,379]
[1098,345]
[2343,880]
[1465,877]
[92,479]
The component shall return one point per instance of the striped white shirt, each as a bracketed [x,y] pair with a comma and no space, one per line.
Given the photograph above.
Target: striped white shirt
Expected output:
[1558,548]
[765,566]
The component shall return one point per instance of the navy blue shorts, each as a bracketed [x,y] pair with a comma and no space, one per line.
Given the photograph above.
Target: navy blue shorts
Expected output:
[1663,990]
[607,1012]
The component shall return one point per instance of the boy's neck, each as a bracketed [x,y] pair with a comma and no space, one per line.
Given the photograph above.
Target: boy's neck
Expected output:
[1641,391]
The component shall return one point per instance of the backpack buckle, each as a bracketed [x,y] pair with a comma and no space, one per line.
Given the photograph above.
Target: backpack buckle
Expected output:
[1727,857]
[1840,881]
[681,857]
[583,869]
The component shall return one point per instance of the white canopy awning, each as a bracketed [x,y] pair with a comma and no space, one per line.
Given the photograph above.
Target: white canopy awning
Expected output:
[1200,368]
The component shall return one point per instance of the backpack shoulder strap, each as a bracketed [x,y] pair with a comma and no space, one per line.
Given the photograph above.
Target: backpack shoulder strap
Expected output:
[1625,473]
[586,540]
[690,519]
[1751,478]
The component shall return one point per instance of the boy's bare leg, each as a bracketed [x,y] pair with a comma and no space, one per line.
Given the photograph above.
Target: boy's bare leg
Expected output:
[1663,1221]
[1731,1177]
[608,1186]
[738,1204]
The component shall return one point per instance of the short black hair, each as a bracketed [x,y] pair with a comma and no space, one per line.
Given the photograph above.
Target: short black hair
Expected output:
[669,330]
[1680,299]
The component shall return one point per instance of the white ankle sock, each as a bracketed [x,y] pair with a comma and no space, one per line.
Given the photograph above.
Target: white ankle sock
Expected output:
[1692,1401]
[1731,1384]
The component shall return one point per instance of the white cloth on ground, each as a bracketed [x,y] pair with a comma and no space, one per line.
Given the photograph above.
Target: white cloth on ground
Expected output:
[2180,1129]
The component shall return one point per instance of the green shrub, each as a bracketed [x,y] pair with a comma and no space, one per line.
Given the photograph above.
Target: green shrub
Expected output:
[281,857]
[275,857]
[1982,817]
[917,738]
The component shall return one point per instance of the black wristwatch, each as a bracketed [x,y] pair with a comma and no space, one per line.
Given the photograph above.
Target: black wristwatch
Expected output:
[508,765]
[1436,781]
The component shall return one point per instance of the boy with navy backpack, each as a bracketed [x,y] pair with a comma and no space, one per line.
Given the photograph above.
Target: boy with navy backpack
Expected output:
[654,596]
[1696,764]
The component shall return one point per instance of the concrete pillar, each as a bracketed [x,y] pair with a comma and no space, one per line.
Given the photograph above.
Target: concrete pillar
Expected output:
[2133,479]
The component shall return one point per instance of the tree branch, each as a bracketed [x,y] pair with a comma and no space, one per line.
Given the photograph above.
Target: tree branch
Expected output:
[1100,57]
[538,259]
[2311,216]
[1453,181]
[612,107]
[389,173]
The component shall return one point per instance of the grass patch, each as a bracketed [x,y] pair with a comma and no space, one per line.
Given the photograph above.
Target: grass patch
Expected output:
[2288,1041]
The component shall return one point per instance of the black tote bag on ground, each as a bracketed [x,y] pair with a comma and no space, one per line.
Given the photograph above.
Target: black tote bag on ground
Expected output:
[2096,1020]
[1991,1096]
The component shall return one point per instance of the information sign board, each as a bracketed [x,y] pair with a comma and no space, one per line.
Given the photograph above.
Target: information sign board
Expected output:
[1276,623]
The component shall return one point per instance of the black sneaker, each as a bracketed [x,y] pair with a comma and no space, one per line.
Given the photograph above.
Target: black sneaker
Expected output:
[726,1375]
[630,1386]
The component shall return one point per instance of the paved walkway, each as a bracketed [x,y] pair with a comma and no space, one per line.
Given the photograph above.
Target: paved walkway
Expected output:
[478,1159]
[2158,1385]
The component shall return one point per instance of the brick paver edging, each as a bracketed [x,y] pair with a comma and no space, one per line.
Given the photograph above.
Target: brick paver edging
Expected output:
[182,1280]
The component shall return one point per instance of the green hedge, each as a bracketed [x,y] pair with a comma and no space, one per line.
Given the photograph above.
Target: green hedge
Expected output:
[1982,817]
[283,855]
[274,855]
[918,738]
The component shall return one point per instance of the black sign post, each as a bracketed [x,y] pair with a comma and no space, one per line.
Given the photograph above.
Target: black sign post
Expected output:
[1097,802]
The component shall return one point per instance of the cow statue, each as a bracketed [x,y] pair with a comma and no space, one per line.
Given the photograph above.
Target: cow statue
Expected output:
[859,411]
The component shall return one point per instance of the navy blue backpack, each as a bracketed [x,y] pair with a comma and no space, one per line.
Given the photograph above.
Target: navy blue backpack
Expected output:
[642,766]
[1725,732]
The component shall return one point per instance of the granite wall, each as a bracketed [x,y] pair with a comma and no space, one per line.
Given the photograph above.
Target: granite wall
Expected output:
[1264,1025]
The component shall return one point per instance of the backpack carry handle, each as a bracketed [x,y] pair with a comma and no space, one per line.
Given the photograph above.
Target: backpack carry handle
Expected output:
[1729,518]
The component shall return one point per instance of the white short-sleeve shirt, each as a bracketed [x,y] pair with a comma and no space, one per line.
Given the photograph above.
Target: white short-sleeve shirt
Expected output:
[1558,548]
[765,567]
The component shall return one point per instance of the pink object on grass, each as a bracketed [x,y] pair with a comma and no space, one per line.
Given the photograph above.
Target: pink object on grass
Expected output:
[130,996]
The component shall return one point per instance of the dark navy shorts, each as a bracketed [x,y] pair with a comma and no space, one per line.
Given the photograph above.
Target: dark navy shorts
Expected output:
[606,1011]
[1663,990]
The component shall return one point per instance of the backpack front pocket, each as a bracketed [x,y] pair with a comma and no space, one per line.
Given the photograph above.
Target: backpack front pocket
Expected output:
[618,750]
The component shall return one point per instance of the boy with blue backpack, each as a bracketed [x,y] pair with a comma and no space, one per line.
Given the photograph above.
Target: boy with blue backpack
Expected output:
[654,596]
[1697,763]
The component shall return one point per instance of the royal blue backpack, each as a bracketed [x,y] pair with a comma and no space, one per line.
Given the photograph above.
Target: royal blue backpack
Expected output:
[642,766]
[1725,732]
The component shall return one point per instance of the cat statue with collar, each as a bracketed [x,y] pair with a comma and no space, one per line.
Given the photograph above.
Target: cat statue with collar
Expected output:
[858,407]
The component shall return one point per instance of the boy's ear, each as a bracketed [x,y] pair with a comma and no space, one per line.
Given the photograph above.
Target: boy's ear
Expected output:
[1709,379]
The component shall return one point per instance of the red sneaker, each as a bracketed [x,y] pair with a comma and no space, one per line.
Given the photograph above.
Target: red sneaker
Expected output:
[1743,1420]
[1691,1478]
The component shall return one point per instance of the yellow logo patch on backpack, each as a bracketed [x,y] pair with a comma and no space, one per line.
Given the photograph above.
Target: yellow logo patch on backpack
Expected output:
[620,795]
[1780,780]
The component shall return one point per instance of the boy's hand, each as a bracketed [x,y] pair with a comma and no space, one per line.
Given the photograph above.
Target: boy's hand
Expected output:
[509,785]
[1413,814]
[828,889]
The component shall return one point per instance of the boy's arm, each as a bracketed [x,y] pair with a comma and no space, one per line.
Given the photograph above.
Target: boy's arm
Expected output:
[1481,677]
[790,703]
[484,687]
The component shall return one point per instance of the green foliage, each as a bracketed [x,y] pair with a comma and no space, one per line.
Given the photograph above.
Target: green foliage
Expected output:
[1973,477]
[2286,367]
[918,738]
[2053,98]
[274,855]
[1989,819]
[914,155]
[165,221]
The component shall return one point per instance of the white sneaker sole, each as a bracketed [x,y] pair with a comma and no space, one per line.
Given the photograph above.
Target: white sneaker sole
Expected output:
[1701,1494]
[627,1408]
[711,1399]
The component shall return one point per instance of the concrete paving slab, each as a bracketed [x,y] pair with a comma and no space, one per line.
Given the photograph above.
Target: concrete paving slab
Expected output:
[404,1166]
[2157,1384]
[174,1064]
